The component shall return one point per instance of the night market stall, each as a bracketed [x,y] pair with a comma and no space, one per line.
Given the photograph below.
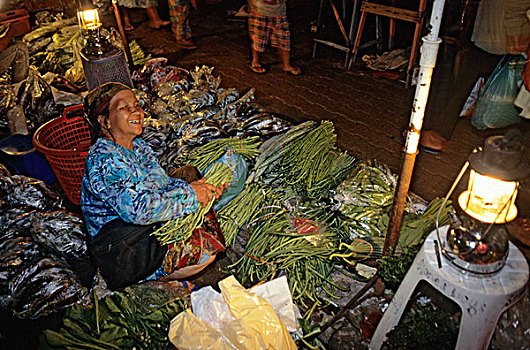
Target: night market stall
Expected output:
[306,210]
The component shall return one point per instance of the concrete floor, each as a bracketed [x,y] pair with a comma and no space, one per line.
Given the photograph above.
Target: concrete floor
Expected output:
[368,112]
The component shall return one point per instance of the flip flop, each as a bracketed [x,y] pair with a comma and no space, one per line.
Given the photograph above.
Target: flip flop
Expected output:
[293,71]
[429,149]
[259,69]
[185,285]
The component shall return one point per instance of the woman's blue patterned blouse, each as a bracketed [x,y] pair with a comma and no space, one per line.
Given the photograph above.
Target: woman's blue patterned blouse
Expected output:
[131,185]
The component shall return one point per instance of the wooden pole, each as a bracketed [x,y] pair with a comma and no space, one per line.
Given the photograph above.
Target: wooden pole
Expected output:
[429,51]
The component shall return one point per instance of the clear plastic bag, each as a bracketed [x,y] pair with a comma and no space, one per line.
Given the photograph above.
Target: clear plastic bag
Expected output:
[495,105]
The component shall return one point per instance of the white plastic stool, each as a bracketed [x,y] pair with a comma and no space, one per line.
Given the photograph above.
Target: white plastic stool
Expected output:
[482,299]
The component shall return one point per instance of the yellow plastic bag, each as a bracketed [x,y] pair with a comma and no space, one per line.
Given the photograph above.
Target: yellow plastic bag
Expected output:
[254,325]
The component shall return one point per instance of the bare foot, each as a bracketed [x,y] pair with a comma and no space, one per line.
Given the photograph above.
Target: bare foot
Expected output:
[156,25]
[292,70]
[187,44]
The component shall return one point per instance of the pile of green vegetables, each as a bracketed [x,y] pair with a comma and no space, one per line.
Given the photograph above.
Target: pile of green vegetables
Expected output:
[304,161]
[114,322]
[276,246]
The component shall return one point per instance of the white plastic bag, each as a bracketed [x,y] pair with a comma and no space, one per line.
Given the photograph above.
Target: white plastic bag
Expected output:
[244,321]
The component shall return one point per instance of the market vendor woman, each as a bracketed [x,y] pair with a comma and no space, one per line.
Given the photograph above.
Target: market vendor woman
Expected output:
[126,195]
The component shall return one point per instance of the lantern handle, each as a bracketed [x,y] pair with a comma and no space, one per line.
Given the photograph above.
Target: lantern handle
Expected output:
[451,190]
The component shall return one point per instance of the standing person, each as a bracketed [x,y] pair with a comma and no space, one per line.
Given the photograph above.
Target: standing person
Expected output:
[179,14]
[126,195]
[151,7]
[501,27]
[267,22]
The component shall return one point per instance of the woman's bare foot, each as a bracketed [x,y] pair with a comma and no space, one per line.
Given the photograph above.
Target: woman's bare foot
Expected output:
[158,24]
[186,44]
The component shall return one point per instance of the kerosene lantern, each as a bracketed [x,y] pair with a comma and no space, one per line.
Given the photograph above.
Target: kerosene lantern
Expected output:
[477,240]
[102,61]
[90,26]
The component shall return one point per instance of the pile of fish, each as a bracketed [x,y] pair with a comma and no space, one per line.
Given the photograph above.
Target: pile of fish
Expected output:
[187,109]
[43,252]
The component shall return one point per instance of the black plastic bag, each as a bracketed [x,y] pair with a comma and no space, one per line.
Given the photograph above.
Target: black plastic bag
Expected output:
[16,254]
[64,234]
[16,222]
[44,288]
[7,101]
[36,98]
[19,191]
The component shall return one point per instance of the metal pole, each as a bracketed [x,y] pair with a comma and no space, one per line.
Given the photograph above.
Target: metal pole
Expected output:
[429,51]
[122,34]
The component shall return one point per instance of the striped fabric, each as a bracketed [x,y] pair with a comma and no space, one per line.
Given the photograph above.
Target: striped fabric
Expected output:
[264,29]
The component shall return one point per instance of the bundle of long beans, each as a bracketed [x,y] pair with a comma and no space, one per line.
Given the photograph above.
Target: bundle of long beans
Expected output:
[272,151]
[313,163]
[254,201]
[181,228]
[204,155]
[274,247]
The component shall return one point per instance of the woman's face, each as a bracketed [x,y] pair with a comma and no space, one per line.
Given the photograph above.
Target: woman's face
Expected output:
[126,118]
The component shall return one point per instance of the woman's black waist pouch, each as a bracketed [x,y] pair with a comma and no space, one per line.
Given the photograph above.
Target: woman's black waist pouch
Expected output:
[126,253]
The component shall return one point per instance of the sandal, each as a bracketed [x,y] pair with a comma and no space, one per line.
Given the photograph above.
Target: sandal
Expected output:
[293,71]
[258,69]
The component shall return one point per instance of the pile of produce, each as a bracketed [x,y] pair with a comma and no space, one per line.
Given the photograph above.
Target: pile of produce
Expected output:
[54,46]
[117,321]
[279,244]
[189,109]
[43,252]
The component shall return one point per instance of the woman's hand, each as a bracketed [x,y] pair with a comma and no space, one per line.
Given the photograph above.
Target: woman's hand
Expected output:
[206,191]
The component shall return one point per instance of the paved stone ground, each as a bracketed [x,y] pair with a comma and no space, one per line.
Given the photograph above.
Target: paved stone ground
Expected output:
[369,112]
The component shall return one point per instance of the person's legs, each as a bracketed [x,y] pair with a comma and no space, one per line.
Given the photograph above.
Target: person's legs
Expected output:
[281,40]
[126,19]
[154,20]
[179,14]
[255,65]
[451,87]
[285,57]
[259,38]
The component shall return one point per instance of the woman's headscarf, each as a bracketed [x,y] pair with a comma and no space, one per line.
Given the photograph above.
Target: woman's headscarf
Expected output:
[97,102]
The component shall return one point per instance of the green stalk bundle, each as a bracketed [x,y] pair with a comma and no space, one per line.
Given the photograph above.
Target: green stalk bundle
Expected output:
[255,200]
[313,163]
[180,229]
[204,155]
[275,247]
[272,150]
